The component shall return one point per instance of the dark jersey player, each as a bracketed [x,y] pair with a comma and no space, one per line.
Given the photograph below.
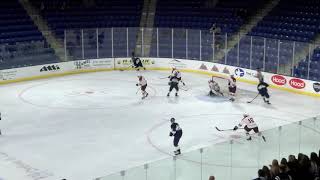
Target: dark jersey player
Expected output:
[174,79]
[263,91]
[137,63]
[176,132]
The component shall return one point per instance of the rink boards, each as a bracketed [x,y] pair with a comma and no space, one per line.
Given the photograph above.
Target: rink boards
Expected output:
[286,83]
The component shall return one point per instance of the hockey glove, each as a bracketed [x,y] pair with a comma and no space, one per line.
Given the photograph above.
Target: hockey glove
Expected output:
[235,128]
[137,84]
[171,134]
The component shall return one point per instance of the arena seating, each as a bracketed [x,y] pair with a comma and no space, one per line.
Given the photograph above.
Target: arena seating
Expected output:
[227,15]
[73,14]
[291,20]
[21,43]
[301,70]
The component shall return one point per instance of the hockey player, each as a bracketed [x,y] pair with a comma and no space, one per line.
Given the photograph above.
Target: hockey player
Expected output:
[174,82]
[259,75]
[263,91]
[143,85]
[176,132]
[249,125]
[214,88]
[232,87]
[177,73]
[136,62]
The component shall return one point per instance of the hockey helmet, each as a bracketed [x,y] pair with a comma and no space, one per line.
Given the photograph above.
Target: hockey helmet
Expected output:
[245,115]
[172,120]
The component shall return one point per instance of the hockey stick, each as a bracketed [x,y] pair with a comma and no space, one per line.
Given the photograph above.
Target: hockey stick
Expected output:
[225,129]
[184,87]
[253,99]
[138,90]
[163,77]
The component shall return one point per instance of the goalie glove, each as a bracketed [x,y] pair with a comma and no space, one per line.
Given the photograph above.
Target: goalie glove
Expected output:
[235,128]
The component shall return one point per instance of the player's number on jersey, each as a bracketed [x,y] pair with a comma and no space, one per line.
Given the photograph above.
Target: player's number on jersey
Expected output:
[251,120]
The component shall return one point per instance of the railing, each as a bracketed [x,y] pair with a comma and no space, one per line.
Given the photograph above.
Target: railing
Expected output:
[236,159]
[272,55]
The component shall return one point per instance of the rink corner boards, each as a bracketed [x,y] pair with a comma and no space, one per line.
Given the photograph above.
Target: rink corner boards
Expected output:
[79,71]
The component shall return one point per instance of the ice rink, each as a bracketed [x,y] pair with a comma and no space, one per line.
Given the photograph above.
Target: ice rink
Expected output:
[85,126]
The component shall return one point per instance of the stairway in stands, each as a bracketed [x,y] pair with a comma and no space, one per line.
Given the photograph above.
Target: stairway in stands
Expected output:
[41,23]
[146,28]
[21,42]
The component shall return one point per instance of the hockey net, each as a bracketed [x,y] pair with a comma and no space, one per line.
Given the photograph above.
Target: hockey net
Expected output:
[223,83]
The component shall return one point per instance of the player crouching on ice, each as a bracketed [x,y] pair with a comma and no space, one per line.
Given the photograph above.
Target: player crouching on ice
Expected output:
[249,125]
[143,85]
[176,132]
[137,63]
[214,88]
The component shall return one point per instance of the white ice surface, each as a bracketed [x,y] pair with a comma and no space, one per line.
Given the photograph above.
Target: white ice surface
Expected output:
[84,126]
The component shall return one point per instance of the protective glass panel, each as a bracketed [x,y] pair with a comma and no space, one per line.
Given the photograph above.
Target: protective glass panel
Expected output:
[271,64]
[188,167]
[244,52]
[105,42]
[286,55]
[193,44]
[165,43]
[74,44]
[120,42]
[257,57]
[179,43]
[90,43]
[206,45]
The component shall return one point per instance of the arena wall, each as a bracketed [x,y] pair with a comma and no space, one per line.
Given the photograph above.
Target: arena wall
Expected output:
[286,83]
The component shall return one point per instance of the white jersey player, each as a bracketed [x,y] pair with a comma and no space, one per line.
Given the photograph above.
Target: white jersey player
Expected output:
[175,72]
[143,85]
[232,87]
[249,124]
[214,88]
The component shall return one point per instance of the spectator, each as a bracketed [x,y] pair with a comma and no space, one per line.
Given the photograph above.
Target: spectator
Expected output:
[212,178]
[304,166]
[283,175]
[284,161]
[314,165]
[267,173]
[274,168]
[292,166]
[261,175]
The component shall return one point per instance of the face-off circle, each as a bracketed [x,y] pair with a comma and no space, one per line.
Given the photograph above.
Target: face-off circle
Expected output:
[84,94]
